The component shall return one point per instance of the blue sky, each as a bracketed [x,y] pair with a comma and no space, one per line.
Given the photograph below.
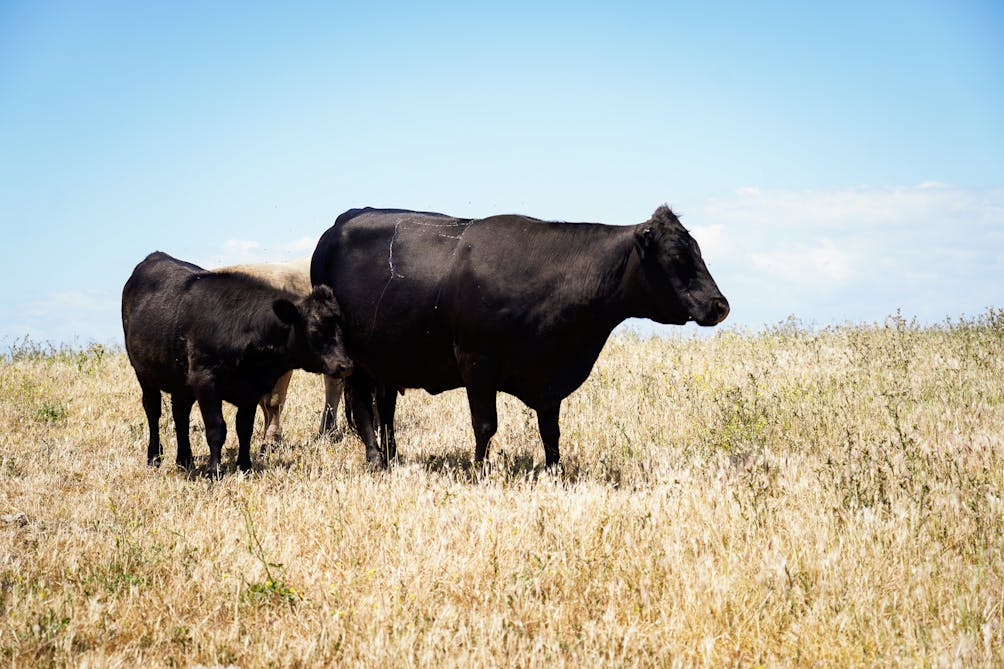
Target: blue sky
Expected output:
[837,161]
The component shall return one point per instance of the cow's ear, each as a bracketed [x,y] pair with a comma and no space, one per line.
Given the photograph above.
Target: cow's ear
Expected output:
[286,311]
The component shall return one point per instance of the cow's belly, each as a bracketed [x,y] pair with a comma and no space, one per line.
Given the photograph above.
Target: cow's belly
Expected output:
[542,387]
[543,373]
[400,366]
[156,366]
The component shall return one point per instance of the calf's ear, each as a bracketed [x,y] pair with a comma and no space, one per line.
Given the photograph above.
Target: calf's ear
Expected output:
[323,296]
[323,292]
[286,311]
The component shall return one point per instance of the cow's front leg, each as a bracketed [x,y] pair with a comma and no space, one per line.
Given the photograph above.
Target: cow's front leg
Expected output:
[360,400]
[547,422]
[211,407]
[484,420]
[245,427]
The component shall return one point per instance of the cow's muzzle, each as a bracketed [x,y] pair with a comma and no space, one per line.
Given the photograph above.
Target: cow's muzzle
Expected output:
[718,309]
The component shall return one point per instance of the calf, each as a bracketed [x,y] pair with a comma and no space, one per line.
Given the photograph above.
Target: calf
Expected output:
[218,336]
[293,276]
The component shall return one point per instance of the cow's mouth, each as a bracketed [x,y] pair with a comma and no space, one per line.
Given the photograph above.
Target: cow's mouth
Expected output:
[717,311]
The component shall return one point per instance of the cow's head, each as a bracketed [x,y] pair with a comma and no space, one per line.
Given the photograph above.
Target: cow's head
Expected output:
[681,286]
[317,322]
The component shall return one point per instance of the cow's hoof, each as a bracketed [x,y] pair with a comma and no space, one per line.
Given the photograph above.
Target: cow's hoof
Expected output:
[481,470]
[185,464]
[555,469]
[154,462]
[376,464]
[244,466]
[213,473]
[335,433]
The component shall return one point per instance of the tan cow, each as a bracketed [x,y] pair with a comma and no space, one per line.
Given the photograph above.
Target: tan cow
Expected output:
[294,276]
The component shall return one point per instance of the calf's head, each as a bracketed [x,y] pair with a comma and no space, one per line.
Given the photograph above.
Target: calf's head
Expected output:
[681,286]
[316,321]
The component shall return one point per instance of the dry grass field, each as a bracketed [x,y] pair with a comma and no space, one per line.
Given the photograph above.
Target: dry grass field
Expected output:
[789,497]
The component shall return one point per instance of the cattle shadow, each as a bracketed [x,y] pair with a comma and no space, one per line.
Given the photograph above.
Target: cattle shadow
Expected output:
[504,466]
[459,463]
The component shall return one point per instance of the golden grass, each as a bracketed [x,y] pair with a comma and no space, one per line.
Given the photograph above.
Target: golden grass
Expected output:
[790,497]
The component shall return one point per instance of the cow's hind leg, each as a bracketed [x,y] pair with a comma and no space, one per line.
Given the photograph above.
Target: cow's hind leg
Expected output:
[547,422]
[386,406]
[333,388]
[245,427]
[181,410]
[151,406]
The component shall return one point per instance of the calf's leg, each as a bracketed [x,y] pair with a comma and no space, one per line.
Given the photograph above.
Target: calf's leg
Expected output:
[211,407]
[181,410]
[245,426]
[333,388]
[151,406]
[271,408]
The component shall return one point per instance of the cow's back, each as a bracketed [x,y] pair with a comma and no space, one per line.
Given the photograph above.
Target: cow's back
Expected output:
[387,269]
[151,301]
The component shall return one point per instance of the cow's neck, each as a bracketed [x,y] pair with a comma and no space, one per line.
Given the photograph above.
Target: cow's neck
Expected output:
[618,290]
[635,296]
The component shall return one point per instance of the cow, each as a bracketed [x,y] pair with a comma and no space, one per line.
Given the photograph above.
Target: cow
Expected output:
[292,276]
[507,303]
[217,337]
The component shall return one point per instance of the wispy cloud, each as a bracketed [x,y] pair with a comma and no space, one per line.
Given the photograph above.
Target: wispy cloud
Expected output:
[66,316]
[800,261]
[855,254]
[69,315]
[242,251]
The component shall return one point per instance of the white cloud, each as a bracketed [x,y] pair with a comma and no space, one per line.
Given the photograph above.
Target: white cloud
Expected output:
[855,254]
[244,251]
[74,301]
[66,316]
[801,261]
[712,239]
[298,247]
[863,206]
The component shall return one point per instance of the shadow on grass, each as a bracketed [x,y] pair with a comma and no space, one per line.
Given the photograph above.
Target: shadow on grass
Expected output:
[502,466]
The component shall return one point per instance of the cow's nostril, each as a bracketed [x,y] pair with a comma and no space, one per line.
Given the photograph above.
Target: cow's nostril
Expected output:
[719,309]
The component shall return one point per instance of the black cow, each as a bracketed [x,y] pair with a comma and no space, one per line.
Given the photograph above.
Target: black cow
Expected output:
[506,303]
[215,337]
